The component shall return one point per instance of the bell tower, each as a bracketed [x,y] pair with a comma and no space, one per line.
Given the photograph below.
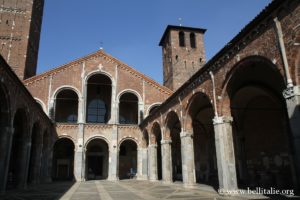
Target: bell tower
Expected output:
[183,54]
[20,28]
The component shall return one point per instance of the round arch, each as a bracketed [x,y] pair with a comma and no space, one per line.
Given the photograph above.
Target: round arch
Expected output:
[255,60]
[41,103]
[101,137]
[154,105]
[203,100]
[135,140]
[96,72]
[66,87]
[64,137]
[134,92]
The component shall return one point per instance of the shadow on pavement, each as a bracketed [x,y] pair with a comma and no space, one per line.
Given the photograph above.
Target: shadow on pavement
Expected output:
[48,191]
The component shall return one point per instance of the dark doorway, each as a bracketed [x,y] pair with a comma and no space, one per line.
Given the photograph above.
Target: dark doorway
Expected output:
[128,159]
[173,132]
[18,151]
[63,160]
[97,160]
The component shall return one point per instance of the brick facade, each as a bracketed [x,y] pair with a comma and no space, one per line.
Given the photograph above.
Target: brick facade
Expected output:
[20,27]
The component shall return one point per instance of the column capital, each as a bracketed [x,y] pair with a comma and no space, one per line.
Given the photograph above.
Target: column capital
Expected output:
[222,119]
[290,92]
[185,134]
[152,145]
[166,142]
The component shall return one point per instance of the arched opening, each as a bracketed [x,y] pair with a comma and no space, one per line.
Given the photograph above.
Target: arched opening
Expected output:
[63,159]
[156,131]
[260,129]
[98,102]
[34,155]
[173,126]
[97,160]
[66,106]
[181,39]
[201,113]
[127,159]
[39,104]
[18,150]
[153,109]
[128,109]
[193,40]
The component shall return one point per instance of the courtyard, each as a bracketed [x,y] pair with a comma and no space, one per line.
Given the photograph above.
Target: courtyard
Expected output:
[119,190]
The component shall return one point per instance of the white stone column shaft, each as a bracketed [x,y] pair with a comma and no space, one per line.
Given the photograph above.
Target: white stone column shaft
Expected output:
[78,155]
[142,164]
[6,143]
[166,154]
[225,153]
[153,162]
[292,97]
[113,160]
[187,155]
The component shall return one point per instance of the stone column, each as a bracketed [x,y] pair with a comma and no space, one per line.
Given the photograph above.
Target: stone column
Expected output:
[24,163]
[113,160]
[78,155]
[142,164]
[292,98]
[187,156]
[45,177]
[166,154]
[49,164]
[37,165]
[152,162]
[6,143]
[225,153]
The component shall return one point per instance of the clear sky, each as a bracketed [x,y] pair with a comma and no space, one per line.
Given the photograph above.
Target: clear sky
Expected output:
[130,30]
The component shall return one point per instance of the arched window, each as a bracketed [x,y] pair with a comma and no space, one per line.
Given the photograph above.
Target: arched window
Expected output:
[128,109]
[66,106]
[193,40]
[98,99]
[181,39]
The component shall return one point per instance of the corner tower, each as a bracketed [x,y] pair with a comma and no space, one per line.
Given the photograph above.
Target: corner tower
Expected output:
[183,54]
[20,28]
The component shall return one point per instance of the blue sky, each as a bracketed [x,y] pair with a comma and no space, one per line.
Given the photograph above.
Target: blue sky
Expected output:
[130,30]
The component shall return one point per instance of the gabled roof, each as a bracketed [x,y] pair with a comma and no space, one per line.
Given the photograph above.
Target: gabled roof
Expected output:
[184,28]
[90,56]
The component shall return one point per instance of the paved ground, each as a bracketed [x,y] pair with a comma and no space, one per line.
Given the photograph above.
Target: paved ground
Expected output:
[121,190]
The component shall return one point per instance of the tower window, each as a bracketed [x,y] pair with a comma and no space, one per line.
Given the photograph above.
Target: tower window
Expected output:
[181,39]
[193,40]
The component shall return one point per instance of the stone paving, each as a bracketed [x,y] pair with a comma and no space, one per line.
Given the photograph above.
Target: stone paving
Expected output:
[119,190]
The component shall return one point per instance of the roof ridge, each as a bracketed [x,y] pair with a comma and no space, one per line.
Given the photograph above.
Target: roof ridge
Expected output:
[84,58]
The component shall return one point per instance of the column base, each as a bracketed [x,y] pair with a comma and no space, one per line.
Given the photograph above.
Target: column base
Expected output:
[142,177]
[113,178]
